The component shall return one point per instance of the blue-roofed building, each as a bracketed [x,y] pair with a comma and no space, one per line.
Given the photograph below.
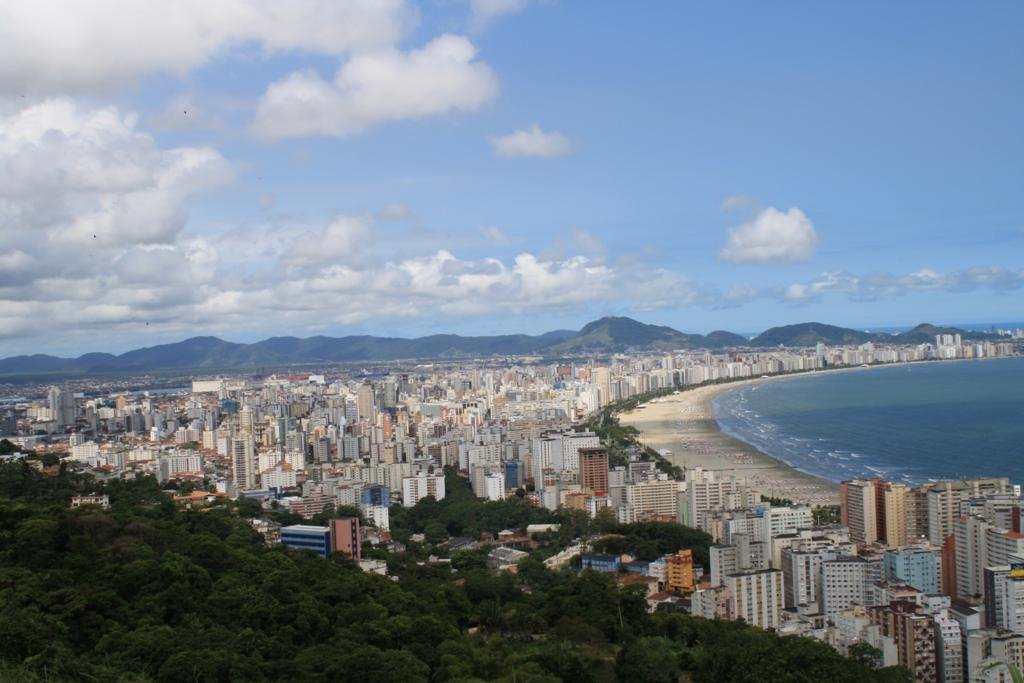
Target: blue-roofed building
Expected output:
[601,563]
[377,495]
[307,537]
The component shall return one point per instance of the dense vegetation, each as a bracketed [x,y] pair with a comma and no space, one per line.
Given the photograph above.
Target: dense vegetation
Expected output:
[147,592]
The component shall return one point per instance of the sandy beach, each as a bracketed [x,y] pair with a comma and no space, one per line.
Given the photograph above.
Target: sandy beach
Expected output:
[685,424]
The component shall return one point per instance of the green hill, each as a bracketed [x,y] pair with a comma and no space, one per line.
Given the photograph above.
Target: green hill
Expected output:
[144,591]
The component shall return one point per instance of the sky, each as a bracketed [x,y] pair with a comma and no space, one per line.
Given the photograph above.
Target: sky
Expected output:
[253,168]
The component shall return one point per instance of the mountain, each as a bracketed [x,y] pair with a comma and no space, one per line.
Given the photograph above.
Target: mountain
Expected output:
[613,334]
[604,335]
[926,333]
[607,335]
[617,334]
[809,334]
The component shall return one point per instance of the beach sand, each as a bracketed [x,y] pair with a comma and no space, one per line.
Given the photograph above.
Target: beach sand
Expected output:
[685,424]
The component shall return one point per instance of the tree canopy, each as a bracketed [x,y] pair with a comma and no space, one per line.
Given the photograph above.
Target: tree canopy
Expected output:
[145,591]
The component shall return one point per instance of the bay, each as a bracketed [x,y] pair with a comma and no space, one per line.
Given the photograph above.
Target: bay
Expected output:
[908,423]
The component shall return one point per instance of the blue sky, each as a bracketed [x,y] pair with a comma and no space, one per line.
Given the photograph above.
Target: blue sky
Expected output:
[504,166]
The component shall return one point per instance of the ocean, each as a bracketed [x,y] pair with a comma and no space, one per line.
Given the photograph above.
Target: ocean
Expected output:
[907,423]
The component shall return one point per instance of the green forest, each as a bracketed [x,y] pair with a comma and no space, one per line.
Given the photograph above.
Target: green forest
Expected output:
[144,591]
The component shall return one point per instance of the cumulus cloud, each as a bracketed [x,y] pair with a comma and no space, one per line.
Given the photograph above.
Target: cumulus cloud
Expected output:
[52,46]
[92,214]
[342,239]
[442,77]
[772,236]
[483,12]
[532,142]
[81,176]
[495,235]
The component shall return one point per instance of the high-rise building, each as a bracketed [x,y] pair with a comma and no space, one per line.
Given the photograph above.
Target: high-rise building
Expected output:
[375,494]
[756,597]
[653,499]
[859,509]
[845,581]
[949,649]
[708,491]
[62,406]
[979,544]
[914,634]
[915,566]
[494,486]
[246,420]
[513,474]
[800,576]
[894,520]
[944,502]
[1013,599]
[785,520]
[345,537]
[572,443]
[593,464]
[243,463]
[742,554]
[420,486]
[364,402]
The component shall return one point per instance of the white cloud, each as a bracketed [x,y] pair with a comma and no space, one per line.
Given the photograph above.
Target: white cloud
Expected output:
[483,12]
[80,176]
[371,88]
[340,240]
[495,235]
[772,236]
[52,46]
[532,142]
[92,213]
[394,212]
[877,285]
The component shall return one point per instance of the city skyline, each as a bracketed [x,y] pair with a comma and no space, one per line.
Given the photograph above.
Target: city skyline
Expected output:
[405,169]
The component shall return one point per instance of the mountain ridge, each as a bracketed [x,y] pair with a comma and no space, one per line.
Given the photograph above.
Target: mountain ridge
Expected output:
[605,335]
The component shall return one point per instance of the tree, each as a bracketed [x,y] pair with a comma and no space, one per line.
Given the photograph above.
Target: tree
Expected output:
[649,660]
[866,654]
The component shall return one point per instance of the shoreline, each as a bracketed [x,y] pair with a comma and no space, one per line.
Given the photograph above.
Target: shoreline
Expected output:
[685,424]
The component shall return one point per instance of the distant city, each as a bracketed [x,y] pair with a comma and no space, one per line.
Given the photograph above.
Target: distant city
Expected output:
[931,577]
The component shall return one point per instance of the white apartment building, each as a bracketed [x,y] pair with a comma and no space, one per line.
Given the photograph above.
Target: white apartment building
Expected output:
[785,520]
[756,597]
[421,486]
[844,583]
[801,571]
[653,497]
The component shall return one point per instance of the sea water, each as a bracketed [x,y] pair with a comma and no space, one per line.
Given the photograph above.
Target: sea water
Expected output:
[908,423]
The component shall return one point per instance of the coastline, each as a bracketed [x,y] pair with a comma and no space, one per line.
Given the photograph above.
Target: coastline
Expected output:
[685,424]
